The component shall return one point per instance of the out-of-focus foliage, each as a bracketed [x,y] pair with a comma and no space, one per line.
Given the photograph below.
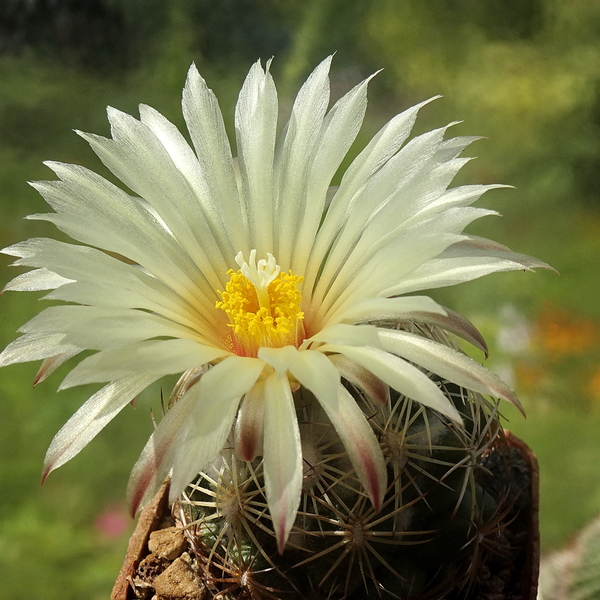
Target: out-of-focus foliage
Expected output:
[524,73]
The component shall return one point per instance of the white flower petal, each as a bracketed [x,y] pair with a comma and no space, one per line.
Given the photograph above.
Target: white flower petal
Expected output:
[380,189]
[279,358]
[342,333]
[49,365]
[400,375]
[137,156]
[460,265]
[454,323]
[374,250]
[193,431]
[295,158]
[156,460]
[282,457]
[34,281]
[255,126]
[382,309]
[100,328]
[360,281]
[376,154]
[94,272]
[35,346]
[94,211]
[381,148]
[217,243]
[211,418]
[91,418]
[160,357]
[339,130]
[316,373]
[448,363]
[207,130]
[249,427]
[373,387]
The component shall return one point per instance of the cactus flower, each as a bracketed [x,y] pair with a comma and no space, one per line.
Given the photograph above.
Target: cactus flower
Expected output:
[253,277]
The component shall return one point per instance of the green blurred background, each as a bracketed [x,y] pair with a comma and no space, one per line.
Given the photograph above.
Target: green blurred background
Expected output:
[523,73]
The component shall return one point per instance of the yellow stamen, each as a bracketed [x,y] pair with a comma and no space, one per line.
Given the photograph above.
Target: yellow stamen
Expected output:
[263,305]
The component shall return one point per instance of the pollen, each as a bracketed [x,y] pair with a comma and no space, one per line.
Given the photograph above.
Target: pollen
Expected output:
[263,305]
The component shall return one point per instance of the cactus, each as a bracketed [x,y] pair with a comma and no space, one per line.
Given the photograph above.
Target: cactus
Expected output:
[442,518]
[364,486]
[574,573]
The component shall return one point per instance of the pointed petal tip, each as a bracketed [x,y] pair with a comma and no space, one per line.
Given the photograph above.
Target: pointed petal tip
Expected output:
[281,536]
[135,500]
[375,477]
[453,414]
[47,470]
[512,398]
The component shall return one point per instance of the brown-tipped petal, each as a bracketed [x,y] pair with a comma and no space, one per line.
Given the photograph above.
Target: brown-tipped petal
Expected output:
[362,446]
[250,424]
[49,365]
[216,400]
[456,324]
[282,457]
[91,418]
[448,363]
[157,457]
[315,372]
[362,378]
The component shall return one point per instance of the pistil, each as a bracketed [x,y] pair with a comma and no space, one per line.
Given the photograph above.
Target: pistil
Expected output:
[263,305]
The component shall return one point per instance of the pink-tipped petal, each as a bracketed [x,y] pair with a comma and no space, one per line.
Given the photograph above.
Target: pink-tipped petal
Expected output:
[209,425]
[49,365]
[315,372]
[282,457]
[250,424]
[454,323]
[362,378]
[448,363]
[193,431]
[400,375]
[91,418]
[156,459]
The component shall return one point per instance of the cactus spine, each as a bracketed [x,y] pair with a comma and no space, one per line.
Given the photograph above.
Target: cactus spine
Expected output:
[439,521]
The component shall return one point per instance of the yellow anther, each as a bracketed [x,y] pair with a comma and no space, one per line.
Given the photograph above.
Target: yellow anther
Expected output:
[263,305]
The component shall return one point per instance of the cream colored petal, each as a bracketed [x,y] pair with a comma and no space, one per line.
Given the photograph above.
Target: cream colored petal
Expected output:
[249,427]
[316,373]
[448,363]
[160,357]
[383,309]
[207,130]
[193,431]
[91,418]
[400,375]
[34,281]
[282,457]
[255,127]
[295,157]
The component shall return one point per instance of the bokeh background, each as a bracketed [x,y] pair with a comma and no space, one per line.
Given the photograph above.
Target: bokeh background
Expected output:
[525,74]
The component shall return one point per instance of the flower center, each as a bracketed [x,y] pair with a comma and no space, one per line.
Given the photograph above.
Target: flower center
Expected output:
[263,305]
